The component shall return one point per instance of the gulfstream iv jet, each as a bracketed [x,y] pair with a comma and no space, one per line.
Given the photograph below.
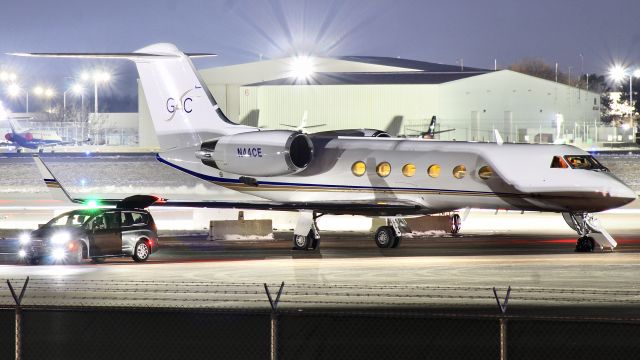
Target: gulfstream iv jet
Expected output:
[328,173]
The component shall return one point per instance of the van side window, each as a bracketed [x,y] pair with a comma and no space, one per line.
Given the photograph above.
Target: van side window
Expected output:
[140,219]
[112,220]
[559,163]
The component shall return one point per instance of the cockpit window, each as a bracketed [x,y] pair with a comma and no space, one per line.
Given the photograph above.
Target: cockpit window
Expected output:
[584,162]
[558,163]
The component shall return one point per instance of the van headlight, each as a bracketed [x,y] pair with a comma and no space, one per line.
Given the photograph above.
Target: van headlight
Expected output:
[25,238]
[60,237]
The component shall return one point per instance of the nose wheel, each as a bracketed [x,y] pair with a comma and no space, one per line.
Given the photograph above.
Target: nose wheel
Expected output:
[585,244]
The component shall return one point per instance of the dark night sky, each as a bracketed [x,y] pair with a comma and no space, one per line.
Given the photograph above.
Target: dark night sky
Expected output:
[240,31]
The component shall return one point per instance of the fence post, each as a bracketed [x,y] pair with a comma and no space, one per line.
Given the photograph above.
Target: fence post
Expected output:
[18,300]
[503,322]
[274,320]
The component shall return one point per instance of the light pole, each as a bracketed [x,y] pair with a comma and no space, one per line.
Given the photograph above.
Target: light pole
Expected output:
[618,73]
[98,76]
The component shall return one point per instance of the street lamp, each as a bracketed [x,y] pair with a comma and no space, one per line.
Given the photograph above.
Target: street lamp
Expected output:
[14,90]
[618,73]
[98,77]
[75,89]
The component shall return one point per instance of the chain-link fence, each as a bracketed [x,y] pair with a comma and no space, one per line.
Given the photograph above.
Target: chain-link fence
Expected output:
[274,329]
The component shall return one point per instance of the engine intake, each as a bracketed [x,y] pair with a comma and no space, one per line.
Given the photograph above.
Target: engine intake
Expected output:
[258,153]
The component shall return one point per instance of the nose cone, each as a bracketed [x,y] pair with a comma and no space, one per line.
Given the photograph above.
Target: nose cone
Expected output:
[622,195]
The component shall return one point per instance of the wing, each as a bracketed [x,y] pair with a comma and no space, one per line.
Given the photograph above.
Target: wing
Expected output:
[375,208]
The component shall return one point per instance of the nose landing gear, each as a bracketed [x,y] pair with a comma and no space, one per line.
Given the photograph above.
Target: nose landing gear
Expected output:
[585,224]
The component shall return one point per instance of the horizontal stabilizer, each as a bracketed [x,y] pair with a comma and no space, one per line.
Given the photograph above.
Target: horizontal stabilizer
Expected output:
[126,56]
[55,189]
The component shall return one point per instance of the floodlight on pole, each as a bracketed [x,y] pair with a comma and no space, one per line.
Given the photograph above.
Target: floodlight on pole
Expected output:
[302,67]
[14,91]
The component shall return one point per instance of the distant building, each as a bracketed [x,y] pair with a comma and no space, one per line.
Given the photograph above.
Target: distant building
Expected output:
[401,96]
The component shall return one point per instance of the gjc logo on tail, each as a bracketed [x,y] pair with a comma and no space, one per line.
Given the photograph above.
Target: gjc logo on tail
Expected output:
[172,105]
[249,152]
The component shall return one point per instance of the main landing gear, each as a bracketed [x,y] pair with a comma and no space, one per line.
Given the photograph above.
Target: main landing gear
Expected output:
[585,225]
[306,235]
[389,236]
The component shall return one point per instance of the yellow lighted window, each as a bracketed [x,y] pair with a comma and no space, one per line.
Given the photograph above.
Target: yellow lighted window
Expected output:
[409,170]
[434,171]
[383,169]
[358,168]
[459,171]
[485,172]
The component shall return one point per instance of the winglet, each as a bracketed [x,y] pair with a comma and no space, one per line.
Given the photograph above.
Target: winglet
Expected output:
[499,140]
[55,189]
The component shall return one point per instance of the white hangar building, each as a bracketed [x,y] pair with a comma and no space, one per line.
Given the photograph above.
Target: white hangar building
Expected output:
[400,96]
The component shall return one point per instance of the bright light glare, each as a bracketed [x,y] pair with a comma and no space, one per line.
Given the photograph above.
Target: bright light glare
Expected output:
[49,92]
[101,76]
[302,67]
[60,237]
[38,90]
[14,90]
[617,73]
[77,89]
[22,253]
[626,126]
[58,254]
[25,238]
[92,203]
[85,76]
[4,76]
[636,73]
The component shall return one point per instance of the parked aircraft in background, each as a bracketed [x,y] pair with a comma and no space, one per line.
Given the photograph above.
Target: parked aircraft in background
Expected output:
[431,132]
[31,138]
[302,127]
[328,173]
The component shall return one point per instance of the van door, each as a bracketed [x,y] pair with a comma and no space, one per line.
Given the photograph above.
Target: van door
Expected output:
[105,234]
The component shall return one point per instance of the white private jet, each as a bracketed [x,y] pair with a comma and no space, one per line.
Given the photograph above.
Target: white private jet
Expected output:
[325,173]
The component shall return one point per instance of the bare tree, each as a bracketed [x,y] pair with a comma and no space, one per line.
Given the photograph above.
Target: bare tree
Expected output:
[538,68]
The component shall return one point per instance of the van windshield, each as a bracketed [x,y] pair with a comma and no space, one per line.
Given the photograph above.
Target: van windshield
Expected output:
[69,219]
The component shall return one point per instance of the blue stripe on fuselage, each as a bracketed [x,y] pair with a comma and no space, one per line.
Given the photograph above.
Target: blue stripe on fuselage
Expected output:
[237,181]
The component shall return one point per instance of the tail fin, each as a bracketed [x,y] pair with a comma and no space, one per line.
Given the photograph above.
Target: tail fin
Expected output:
[183,110]
[16,128]
[432,128]
[55,189]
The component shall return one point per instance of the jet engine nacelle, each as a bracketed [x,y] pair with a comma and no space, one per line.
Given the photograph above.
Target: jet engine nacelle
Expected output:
[258,153]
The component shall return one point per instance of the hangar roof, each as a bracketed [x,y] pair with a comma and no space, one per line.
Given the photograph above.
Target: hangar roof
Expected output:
[408,64]
[380,78]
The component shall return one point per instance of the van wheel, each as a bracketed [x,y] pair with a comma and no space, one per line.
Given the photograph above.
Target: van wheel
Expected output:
[141,251]
[75,257]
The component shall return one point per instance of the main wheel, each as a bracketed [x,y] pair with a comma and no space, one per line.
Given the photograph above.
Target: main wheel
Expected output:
[301,242]
[456,224]
[385,237]
[141,251]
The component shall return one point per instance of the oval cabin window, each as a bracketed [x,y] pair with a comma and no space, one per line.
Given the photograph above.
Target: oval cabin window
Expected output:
[358,168]
[459,171]
[409,170]
[434,171]
[485,172]
[383,169]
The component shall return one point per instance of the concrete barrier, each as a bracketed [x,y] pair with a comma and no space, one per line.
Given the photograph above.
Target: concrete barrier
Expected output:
[240,230]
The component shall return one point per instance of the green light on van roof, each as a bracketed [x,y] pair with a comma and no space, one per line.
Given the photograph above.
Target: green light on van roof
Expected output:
[93,203]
